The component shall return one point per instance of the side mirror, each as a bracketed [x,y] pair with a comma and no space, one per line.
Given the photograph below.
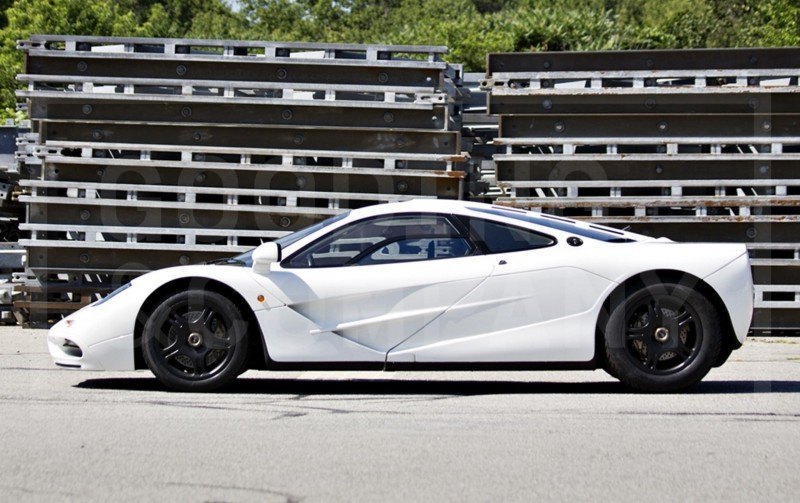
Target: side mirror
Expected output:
[264,256]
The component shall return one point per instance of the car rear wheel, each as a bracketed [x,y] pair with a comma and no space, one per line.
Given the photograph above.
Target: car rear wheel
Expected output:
[195,341]
[662,338]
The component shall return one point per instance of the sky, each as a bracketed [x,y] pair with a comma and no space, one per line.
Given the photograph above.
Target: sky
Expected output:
[235,5]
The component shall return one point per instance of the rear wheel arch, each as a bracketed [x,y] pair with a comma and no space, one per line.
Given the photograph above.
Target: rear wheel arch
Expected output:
[618,295]
[257,350]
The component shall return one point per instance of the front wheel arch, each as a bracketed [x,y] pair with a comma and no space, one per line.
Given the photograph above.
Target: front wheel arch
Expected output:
[257,349]
[729,340]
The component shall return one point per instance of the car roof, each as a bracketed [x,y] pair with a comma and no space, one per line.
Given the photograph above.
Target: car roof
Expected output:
[486,211]
[416,205]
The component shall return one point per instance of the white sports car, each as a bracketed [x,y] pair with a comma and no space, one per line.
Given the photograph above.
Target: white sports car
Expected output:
[428,284]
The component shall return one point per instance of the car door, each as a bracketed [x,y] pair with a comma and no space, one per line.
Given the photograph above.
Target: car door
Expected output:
[534,307]
[365,287]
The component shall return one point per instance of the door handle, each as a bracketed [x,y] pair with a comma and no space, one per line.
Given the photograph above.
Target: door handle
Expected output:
[502,262]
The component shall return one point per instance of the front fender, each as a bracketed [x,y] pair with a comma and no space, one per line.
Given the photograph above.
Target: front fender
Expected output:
[239,279]
[100,327]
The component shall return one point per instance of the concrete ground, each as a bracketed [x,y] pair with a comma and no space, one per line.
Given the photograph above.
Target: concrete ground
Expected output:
[344,436]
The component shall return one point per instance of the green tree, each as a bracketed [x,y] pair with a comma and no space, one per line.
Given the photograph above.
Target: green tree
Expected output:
[99,17]
[181,18]
[456,24]
[4,5]
[468,31]
[354,21]
[564,26]
[767,23]
[652,24]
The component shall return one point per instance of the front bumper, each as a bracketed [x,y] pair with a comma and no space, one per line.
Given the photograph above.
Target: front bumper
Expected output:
[68,349]
[97,337]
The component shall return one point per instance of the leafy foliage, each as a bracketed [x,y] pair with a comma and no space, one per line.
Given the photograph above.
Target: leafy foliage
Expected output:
[470,28]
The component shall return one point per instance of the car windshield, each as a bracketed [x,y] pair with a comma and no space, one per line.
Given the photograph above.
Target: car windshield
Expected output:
[246,258]
[598,232]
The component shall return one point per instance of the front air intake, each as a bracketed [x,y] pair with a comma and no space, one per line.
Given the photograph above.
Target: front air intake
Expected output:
[71,349]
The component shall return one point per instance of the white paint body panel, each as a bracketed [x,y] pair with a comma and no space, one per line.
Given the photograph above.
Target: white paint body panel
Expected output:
[533,306]
[375,306]
[291,337]
[736,289]
[104,332]
[526,307]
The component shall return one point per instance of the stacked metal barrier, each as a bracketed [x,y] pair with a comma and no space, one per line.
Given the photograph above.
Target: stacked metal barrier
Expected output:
[148,153]
[695,145]
[479,129]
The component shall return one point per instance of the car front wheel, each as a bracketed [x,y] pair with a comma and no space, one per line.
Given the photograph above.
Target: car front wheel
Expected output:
[195,341]
[662,338]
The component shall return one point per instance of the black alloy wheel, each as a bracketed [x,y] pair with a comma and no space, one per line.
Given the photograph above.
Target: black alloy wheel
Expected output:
[662,337]
[662,334]
[195,341]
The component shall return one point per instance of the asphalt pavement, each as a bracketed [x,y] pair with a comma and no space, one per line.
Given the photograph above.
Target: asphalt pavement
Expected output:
[402,436]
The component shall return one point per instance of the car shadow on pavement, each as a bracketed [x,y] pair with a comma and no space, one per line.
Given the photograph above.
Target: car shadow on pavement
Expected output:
[283,386]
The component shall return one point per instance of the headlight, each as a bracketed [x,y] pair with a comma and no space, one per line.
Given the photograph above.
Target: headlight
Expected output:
[113,294]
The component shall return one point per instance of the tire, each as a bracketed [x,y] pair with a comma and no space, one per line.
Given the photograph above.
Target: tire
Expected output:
[195,341]
[724,354]
[662,338]
[610,370]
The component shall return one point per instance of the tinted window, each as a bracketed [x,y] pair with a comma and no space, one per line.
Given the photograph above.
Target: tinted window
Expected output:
[406,250]
[501,238]
[380,240]
[595,232]
[246,258]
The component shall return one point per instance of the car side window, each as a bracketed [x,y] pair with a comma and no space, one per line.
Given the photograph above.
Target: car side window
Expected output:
[411,249]
[496,237]
[383,240]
